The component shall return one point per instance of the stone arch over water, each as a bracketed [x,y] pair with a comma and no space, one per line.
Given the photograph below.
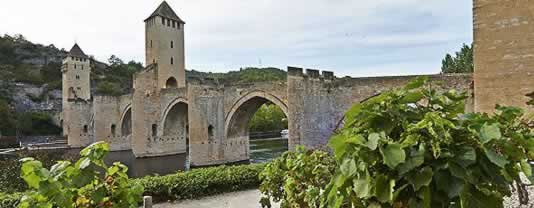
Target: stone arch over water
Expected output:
[238,119]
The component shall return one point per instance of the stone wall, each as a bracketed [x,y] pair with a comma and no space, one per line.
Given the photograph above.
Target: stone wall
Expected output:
[317,103]
[503,53]
[109,111]
[78,123]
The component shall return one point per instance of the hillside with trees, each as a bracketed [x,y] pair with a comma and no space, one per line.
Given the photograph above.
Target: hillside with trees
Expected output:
[37,66]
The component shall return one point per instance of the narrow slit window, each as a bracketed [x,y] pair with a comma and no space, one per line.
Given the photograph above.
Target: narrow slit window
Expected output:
[154,130]
[172,61]
[172,44]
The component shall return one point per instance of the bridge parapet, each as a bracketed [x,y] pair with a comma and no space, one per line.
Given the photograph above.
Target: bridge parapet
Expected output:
[310,73]
[120,143]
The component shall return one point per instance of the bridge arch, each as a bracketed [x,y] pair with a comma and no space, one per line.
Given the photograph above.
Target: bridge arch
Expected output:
[238,118]
[126,121]
[175,120]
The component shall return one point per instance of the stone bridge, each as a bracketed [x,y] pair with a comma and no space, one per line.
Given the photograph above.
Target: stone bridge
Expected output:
[210,122]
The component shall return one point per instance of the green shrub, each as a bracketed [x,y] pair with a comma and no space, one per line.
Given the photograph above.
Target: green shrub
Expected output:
[296,178]
[9,200]
[86,183]
[186,185]
[415,147]
[10,180]
[201,182]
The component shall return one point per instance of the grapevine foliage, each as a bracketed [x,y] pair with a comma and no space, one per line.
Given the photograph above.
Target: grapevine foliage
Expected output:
[296,179]
[87,183]
[416,147]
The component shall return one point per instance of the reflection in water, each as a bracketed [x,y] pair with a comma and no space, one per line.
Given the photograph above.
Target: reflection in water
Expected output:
[138,167]
[262,150]
[265,150]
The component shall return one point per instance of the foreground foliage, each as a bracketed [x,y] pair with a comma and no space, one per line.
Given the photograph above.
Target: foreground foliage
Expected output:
[10,178]
[80,184]
[415,147]
[184,185]
[296,178]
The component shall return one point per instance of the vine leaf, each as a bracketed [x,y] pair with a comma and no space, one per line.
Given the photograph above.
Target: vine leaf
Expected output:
[384,188]
[393,155]
[422,178]
[496,158]
[489,132]
[372,141]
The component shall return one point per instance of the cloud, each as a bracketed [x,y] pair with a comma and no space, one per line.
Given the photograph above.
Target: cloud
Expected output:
[350,37]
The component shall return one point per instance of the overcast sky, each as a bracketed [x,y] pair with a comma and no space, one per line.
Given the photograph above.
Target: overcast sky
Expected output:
[349,37]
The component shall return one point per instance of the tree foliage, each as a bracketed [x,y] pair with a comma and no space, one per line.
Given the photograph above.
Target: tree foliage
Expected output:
[244,75]
[415,147]
[462,62]
[269,117]
[80,184]
[36,123]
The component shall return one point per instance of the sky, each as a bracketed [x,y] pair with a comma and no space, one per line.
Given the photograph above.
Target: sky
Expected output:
[350,37]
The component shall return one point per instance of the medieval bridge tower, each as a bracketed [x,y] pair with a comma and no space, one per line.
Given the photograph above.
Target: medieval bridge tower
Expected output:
[168,115]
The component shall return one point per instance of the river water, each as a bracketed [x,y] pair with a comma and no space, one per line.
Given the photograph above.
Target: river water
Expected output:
[264,150]
[261,150]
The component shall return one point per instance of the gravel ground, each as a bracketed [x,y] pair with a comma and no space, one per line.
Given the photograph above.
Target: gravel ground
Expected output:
[240,199]
[513,202]
[251,198]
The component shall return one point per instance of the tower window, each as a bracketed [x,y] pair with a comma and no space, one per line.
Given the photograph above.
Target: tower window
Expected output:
[82,67]
[172,60]
[75,66]
[151,43]
[153,60]
[210,132]
[85,129]
[173,24]
[178,25]
[154,130]
[172,44]
[168,23]
[77,76]
[113,128]
[163,21]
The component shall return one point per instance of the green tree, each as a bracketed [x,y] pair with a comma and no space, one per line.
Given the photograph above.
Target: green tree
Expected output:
[269,117]
[462,62]
[8,120]
[36,123]
[115,61]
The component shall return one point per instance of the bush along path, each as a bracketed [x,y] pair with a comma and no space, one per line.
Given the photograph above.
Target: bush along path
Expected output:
[89,183]
[412,147]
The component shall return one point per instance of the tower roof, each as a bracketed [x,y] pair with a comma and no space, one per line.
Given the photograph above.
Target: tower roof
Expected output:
[164,10]
[76,51]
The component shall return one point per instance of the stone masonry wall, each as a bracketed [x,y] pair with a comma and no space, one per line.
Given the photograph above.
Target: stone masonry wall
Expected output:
[503,53]
[317,103]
